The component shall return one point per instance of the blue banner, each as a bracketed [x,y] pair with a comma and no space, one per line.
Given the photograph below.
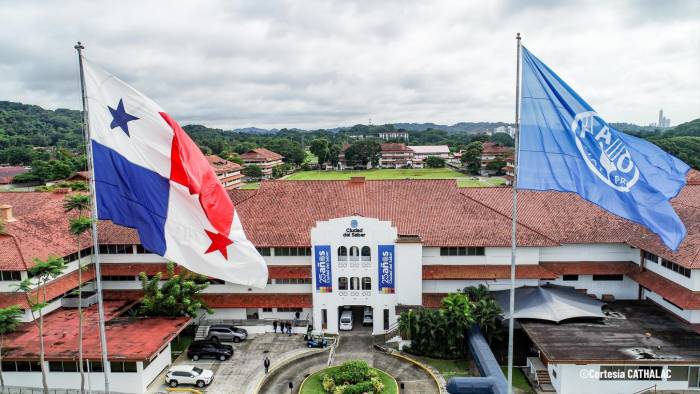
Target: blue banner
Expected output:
[324,280]
[387,283]
[566,146]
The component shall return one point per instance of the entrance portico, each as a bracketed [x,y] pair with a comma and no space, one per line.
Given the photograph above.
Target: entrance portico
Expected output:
[356,263]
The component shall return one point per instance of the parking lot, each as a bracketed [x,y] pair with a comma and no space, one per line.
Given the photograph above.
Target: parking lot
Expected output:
[236,373]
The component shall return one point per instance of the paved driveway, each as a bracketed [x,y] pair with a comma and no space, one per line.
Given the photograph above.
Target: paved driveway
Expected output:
[234,374]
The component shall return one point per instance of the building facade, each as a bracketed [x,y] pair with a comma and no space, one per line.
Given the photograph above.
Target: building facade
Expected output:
[263,158]
[228,172]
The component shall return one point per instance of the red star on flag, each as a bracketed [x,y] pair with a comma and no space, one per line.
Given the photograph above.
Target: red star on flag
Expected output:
[218,242]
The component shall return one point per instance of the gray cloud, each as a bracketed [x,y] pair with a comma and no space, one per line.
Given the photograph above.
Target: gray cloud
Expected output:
[329,63]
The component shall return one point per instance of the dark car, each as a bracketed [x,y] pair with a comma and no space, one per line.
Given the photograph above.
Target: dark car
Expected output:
[317,341]
[226,333]
[209,349]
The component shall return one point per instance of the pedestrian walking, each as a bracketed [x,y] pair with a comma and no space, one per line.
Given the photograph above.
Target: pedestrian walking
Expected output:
[266,363]
[274,326]
[289,328]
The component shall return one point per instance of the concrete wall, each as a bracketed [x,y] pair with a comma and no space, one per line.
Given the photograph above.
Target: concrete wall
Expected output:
[692,316]
[626,289]
[590,252]
[158,364]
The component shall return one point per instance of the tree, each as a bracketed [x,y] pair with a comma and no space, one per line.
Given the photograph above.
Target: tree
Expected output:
[79,226]
[333,153]
[253,171]
[435,162]
[43,272]
[177,296]
[321,148]
[471,157]
[497,164]
[9,320]
[503,139]
[363,152]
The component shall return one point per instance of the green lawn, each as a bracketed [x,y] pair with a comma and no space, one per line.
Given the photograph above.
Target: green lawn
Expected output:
[448,368]
[180,344]
[312,385]
[386,173]
[519,379]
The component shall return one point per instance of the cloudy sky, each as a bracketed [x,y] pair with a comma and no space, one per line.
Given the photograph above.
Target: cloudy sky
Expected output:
[334,63]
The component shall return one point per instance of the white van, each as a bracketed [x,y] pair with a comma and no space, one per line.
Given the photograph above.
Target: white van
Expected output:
[367,318]
[345,321]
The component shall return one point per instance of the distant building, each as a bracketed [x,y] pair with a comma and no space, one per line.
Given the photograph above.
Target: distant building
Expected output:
[263,158]
[509,170]
[396,155]
[422,152]
[491,152]
[228,172]
[8,173]
[664,122]
[510,130]
[394,135]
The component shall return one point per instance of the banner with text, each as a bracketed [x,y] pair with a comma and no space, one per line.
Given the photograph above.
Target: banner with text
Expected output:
[386,269]
[324,280]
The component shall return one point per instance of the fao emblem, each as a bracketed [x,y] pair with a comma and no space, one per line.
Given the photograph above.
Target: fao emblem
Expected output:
[604,152]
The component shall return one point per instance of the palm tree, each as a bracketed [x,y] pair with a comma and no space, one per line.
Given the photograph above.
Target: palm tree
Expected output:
[79,226]
[43,271]
[476,293]
[9,320]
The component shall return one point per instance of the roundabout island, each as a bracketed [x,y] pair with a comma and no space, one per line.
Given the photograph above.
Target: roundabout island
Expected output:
[352,377]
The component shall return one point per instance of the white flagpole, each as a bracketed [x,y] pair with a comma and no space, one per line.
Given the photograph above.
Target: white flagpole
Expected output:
[95,246]
[514,215]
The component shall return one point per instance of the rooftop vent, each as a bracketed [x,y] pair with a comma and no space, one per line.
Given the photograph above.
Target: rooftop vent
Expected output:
[6,213]
[357,179]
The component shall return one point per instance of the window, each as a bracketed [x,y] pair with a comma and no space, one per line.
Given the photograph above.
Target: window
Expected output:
[140,250]
[93,366]
[650,256]
[608,277]
[342,253]
[10,275]
[678,373]
[289,310]
[264,251]
[292,251]
[214,281]
[354,253]
[675,267]
[366,253]
[267,309]
[63,366]
[293,281]
[342,283]
[116,249]
[462,251]
[366,283]
[354,283]
[119,278]
[669,301]
[21,366]
[569,277]
[119,366]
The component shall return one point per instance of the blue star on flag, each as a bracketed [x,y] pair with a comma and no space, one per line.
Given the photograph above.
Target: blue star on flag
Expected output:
[120,118]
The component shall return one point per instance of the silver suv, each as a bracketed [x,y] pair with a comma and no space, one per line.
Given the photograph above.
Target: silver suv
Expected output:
[226,333]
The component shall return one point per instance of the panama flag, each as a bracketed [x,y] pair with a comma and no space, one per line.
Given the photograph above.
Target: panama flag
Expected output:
[149,175]
[565,145]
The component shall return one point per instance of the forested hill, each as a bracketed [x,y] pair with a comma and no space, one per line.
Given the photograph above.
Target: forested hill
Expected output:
[56,133]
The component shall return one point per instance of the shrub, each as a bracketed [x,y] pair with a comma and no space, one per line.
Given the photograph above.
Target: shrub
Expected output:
[328,383]
[340,389]
[351,372]
[377,384]
[359,388]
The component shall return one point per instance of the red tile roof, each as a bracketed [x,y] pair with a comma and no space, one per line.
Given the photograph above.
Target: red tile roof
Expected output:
[395,147]
[261,154]
[281,213]
[590,267]
[128,339]
[279,300]
[54,289]
[222,165]
[7,173]
[492,148]
[669,290]
[450,272]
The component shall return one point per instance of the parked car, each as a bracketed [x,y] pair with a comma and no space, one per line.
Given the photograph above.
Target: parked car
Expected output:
[209,349]
[367,318]
[317,341]
[226,333]
[188,374]
[345,321]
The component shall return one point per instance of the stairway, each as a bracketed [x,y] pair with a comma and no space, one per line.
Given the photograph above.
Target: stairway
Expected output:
[543,377]
[201,333]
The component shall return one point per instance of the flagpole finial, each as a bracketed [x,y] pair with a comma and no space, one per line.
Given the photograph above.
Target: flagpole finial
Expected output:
[79,46]
[517,37]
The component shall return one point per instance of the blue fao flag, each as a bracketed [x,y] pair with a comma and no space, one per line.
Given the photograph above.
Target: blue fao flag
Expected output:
[324,280]
[566,146]
[387,281]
